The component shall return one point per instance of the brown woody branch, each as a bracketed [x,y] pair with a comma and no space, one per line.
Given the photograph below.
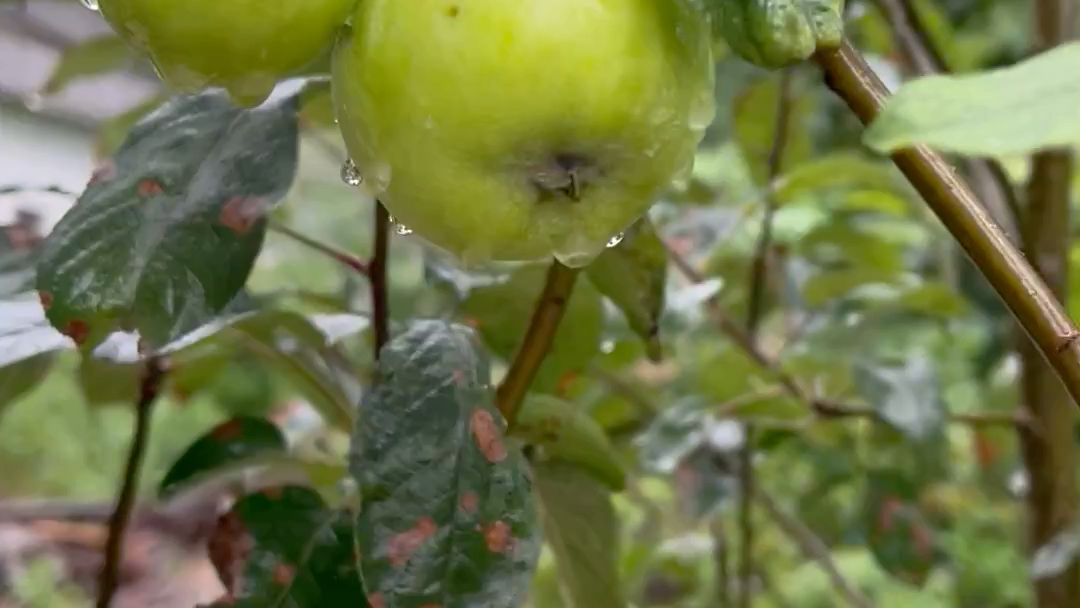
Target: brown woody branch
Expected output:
[380,309]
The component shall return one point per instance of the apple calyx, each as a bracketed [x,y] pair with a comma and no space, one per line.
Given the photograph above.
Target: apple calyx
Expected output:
[563,176]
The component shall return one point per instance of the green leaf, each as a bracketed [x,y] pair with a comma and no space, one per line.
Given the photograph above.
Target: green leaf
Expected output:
[284,547]
[19,378]
[88,58]
[112,132]
[448,516]
[704,481]
[907,397]
[501,312]
[1001,112]
[28,345]
[633,275]
[104,382]
[290,344]
[674,434]
[755,127]
[776,33]
[583,531]
[900,538]
[165,235]
[841,170]
[564,432]
[237,439]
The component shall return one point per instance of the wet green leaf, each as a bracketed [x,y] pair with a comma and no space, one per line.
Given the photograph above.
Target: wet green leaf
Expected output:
[566,433]
[633,275]
[502,312]
[284,547]
[91,57]
[166,233]
[237,439]
[1000,112]
[449,516]
[907,397]
[583,530]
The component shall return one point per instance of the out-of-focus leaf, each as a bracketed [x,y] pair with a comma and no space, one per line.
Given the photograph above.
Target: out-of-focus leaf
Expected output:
[25,333]
[285,547]
[900,538]
[841,243]
[564,432]
[829,285]
[19,248]
[704,481]
[980,114]
[448,517]
[166,233]
[582,528]
[755,127]
[20,377]
[316,105]
[112,132]
[291,344]
[932,299]
[844,170]
[88,58]
[1054,557]
[907,397]
[633,275]
[239,438]
[676,432]
[502,312]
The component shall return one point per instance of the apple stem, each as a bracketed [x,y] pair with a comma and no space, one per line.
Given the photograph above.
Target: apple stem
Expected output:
[536,344]
[951,199]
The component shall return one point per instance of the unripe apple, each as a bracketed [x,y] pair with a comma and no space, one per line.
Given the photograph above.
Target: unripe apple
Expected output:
[518,130]
[244,46]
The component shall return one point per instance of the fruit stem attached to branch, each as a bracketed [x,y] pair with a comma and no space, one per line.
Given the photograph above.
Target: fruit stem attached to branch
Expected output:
[153,374]
[546,317]
[1021,288]
[380,310]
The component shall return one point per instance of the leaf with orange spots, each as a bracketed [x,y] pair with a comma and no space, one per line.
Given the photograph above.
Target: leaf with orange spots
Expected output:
[633,275]
[238,439]
[448,514]
[567,433]
[287,548]
[898,534]
[165,240]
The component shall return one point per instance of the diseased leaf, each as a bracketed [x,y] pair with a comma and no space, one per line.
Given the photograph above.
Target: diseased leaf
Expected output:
[88,58]
[284,547]
[900,538]
[1000,112]
[239,438]
[564,432]
[633,275]
[906,397]
[583,531]
[166,233]
[502,312]
[448,515]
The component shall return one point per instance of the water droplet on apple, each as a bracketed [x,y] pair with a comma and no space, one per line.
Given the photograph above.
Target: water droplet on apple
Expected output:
[399,228]
[350,173]
[90,4]
[615,240]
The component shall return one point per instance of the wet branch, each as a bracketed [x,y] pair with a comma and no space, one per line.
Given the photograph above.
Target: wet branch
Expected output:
[1016,282]
[546,317]
[109,581]
[380,309]
[330,251]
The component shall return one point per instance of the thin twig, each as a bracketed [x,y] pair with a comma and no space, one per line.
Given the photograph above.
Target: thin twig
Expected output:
[746,519]
[823,408]
[330,251]
[153,374]
[721,562]
[1004,266]
[380,314]
[760,265]
[813,548]
[549,311]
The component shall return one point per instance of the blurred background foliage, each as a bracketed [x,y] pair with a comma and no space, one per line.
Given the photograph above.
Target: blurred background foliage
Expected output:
[917,491]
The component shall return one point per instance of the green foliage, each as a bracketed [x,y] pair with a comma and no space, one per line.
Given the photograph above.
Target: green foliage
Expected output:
[232,441]
[775,34]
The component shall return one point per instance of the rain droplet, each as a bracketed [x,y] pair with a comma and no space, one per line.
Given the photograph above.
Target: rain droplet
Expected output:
[615,240]
[90,4]
[399,228]
[350,173]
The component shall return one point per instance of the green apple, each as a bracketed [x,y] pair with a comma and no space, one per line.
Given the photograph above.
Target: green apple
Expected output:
[244,46]
[518,130]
